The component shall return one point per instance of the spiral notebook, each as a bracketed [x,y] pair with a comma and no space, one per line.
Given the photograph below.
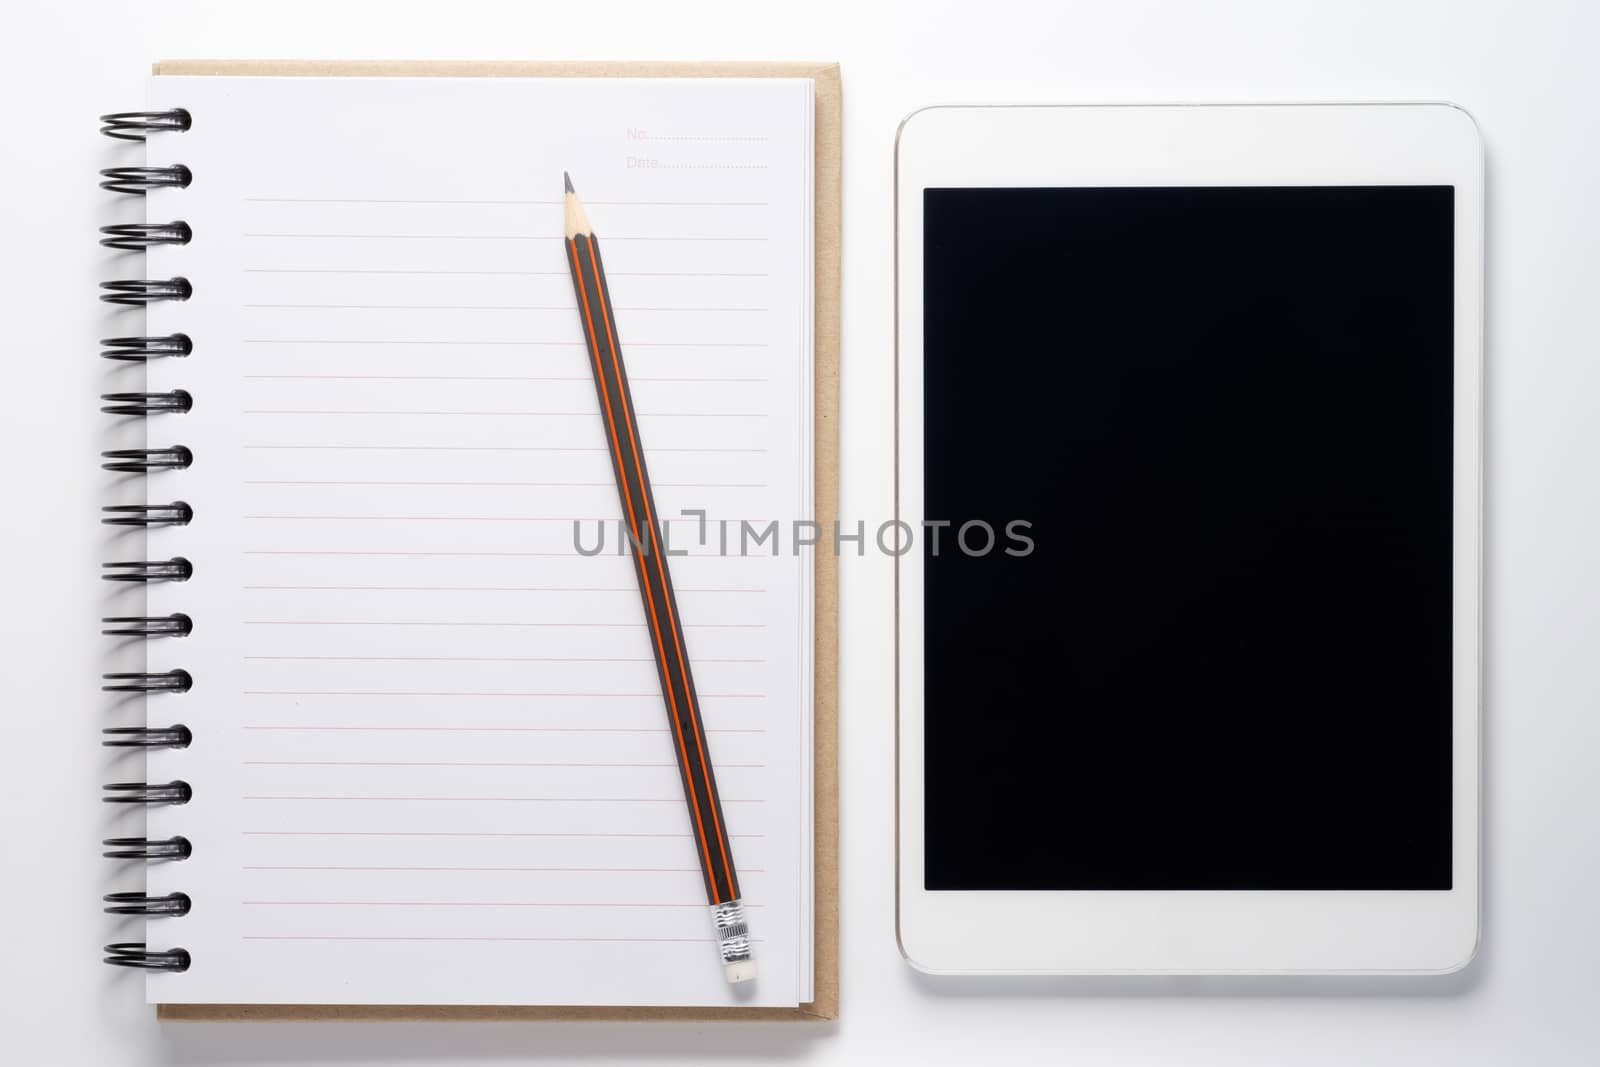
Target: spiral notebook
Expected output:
[423,766]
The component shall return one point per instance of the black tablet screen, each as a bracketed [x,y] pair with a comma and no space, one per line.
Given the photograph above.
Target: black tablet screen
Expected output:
[1210,644]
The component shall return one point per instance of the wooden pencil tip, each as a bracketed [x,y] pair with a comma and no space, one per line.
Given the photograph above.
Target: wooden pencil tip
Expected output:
[577,219]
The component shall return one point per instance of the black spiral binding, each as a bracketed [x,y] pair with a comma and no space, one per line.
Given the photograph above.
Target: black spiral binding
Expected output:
[177,681]
[136,237]
[176,513]
[145,904]
[134,954]
[175,625]
[138,293]
[133,125]
[136,181]
[148,736]
[179,792]
[176,569]
[176,401]
[147,848]
[140,349]
[145,460]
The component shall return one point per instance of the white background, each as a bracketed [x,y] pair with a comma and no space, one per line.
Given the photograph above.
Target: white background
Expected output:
[1526,71]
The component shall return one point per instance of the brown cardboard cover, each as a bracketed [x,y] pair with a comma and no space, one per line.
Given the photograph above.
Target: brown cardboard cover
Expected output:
[825,1004]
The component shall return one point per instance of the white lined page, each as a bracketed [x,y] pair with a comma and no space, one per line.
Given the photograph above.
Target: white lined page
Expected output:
[431,762]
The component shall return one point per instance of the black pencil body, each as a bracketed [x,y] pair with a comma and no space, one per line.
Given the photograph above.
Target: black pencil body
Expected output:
[644,523]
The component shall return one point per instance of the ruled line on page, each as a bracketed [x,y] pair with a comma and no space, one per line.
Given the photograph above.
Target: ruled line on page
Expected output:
[482,378]
[467,763]
[483,693]
[441,518]
[304,728]
[534,203]
[505,485]
[460,518]
[702,138]
[468,833]
[480,448]
[489,800]
[491,589]
[586,625]
[446,867]
[514,342]
[509,273]
[476,904]
[488,237]
[565,309]
[343,552]
[495,659]
[601,940]
[478,413]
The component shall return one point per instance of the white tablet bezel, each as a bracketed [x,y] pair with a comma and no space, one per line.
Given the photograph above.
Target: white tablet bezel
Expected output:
[1102,932]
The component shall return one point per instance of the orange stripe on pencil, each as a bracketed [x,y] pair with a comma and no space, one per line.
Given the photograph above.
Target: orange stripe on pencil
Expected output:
[672,620]
[633,525]
[656,590]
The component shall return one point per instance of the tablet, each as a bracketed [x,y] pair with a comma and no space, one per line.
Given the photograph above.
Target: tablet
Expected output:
[1188,426]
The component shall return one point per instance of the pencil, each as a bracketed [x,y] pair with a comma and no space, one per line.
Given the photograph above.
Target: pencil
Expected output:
[662,618]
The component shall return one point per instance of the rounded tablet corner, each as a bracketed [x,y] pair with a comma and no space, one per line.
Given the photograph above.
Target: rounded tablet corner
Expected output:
[1467,956]
[1467,123]
[907,953]
[905,123]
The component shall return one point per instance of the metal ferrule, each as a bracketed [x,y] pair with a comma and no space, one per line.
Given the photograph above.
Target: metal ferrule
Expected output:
[733,934]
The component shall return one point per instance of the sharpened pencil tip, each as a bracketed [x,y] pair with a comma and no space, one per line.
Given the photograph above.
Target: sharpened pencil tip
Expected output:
[577,221]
